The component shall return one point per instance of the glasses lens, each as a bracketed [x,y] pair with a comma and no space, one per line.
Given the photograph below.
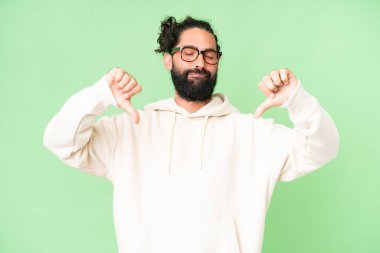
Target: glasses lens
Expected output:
[211,57]
[189,54]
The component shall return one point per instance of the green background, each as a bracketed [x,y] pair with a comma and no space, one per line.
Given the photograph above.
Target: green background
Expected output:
[51,49]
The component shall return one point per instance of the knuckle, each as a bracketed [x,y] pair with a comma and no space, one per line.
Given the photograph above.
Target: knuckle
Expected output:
[125,88]
[269,85]
[119,71]
[131,80]
[118,76]
[265,89]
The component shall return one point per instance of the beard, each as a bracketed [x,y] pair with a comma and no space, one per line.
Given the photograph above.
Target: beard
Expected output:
[196,88]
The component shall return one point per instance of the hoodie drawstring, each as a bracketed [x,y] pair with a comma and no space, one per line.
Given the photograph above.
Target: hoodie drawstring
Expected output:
[217,107]
[203,138]
[171,141]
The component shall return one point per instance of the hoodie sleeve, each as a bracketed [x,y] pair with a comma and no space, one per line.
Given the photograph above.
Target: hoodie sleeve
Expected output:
[75,136]
[313,142]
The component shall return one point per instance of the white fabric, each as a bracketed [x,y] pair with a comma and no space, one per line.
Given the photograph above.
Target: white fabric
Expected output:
[190,182]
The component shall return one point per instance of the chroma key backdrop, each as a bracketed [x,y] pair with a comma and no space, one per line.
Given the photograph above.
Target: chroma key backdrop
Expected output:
[50,50]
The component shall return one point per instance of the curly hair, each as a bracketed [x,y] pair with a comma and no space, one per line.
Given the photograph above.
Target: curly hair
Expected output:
[171,30]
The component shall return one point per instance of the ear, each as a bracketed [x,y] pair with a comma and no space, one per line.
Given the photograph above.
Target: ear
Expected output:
[168,61]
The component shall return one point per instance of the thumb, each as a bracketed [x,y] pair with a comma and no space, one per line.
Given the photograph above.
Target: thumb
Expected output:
[268,103]
[127,106]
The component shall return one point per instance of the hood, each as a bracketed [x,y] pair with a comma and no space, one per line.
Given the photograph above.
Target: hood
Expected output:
[218,106]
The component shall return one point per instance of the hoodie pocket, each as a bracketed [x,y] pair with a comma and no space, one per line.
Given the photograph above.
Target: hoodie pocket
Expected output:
[188,234]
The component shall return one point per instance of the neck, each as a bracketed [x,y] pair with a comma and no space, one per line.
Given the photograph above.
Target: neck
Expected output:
[190,106]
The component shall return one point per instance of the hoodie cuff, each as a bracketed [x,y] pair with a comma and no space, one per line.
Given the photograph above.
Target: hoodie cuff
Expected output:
[105,94]
[300,104]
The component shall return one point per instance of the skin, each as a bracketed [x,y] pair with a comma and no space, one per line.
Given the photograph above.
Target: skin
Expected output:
[202,40]
[277,86]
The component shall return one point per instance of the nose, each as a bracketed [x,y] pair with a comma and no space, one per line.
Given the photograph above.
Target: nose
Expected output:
[200,62]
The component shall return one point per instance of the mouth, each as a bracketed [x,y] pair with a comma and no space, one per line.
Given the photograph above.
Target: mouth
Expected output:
[197,75]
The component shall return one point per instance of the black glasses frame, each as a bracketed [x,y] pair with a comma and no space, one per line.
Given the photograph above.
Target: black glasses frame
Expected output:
[199,52]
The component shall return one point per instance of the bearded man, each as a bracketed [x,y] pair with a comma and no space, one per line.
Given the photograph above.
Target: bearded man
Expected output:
[191,174]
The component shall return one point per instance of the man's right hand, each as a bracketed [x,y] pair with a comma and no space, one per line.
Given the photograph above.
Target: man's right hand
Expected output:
[124,87]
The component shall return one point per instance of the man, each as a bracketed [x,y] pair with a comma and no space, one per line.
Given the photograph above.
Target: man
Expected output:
[191,174]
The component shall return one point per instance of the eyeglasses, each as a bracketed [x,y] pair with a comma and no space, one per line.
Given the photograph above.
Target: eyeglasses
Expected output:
[190,54]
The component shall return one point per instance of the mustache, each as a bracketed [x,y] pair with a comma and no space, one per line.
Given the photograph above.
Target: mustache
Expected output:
[197,71]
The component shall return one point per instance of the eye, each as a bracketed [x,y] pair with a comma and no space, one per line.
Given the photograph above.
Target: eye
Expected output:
[211,55]
[189,51]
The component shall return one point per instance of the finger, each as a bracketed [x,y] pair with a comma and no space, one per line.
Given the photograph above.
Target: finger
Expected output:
[275,75]
[133,92]
[265,90]
[292,78]
[127,106]
[124,80]
[284,76]
[268,103]
[118,73]
[130,85]
[110,77]
[269,84]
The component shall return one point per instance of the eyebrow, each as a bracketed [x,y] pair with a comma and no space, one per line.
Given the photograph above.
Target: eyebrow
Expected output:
[206,49]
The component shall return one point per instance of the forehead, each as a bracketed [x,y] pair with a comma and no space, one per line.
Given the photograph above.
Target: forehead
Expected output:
[197,37]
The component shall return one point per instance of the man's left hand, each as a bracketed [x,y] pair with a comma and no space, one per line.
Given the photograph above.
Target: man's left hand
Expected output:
[278,86]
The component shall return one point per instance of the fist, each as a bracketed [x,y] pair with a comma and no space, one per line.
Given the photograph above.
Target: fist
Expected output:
[278,86]
[124,87]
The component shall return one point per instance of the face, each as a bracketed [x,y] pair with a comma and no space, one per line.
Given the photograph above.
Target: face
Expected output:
[193,81]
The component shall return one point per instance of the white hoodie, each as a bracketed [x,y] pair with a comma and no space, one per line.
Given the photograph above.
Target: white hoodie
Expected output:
[190,182]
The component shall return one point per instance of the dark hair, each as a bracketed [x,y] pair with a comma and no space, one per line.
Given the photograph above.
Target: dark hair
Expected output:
[170,32]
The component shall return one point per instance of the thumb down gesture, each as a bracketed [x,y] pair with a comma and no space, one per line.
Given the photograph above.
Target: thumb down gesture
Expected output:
[278,86]
[124,87]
